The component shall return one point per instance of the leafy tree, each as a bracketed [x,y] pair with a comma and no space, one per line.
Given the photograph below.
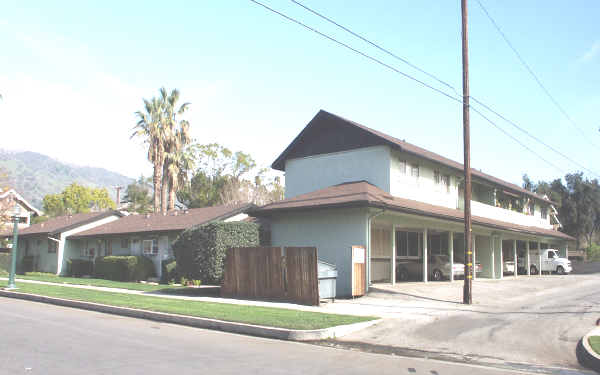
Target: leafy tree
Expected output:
[138,195]
[76,198]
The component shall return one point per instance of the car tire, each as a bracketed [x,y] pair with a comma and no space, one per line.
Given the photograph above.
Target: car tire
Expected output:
[401,274]
[533,270]
[560,270]
[437,275]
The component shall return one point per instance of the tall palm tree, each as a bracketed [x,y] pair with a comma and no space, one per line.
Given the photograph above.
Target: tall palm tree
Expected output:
[150,126]
[177,137]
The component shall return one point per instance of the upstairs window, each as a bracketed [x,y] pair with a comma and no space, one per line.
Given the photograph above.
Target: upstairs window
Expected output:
[544,212]
[531,208]
[436,177]
[414,170]
[402,166]
[446,182]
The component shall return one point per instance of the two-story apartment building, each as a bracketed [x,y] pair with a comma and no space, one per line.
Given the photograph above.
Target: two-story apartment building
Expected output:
[349,185]
[8,200]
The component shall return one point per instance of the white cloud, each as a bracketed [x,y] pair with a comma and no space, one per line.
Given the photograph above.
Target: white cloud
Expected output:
[591,53]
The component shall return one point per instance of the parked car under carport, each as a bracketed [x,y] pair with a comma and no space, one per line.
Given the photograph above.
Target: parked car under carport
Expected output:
[438,269]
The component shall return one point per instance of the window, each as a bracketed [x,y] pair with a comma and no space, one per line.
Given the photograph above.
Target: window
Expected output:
[402,166]
[544,212]
[531,208]
[150,246]
[446,182]
[552,254]
[414,170]
[436,177]
[407,244]
[125,243]
[438,244]
[52,246]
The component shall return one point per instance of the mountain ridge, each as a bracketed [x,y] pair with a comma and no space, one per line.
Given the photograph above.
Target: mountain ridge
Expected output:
[35,175]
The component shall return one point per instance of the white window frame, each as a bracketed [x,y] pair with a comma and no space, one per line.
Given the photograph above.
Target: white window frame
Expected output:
[419,244]
[413,168]
[128,247]
[153,246]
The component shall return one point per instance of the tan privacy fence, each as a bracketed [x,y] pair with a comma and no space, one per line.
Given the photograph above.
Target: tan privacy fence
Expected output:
[269,272]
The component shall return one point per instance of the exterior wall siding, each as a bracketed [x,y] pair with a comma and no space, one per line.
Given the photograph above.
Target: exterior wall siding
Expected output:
[332,232]
[308,174]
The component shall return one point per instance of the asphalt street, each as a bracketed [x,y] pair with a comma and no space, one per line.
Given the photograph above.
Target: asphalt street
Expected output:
[535,321]
[45,339]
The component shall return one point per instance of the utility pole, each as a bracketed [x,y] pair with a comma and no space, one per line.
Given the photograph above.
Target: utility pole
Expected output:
[118,189]
[468,287]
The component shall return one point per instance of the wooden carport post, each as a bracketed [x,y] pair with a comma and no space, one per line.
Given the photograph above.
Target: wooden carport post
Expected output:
[451,255]
[393,256]
[515,257]
[539,248]
[473,245]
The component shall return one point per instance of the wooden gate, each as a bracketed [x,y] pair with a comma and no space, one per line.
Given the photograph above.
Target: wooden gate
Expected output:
[264,273]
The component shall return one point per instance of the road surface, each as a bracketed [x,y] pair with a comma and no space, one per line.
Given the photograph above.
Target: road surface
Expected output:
[45,339]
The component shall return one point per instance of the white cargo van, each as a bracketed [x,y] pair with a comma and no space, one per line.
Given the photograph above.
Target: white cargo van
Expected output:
[551,262]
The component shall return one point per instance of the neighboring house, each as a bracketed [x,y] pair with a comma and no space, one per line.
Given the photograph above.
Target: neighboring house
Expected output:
[47,242]
[8,200]
[149,234]
[346,185]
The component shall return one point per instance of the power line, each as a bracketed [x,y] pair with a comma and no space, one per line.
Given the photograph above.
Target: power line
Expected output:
[404,75]
[388,52]
[355,50]
[535,77]
[377,46]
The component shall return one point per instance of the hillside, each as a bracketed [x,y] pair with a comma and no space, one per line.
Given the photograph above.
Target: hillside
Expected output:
[34,175]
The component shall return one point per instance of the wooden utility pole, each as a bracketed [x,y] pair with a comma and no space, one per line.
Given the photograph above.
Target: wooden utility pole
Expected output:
[468,287]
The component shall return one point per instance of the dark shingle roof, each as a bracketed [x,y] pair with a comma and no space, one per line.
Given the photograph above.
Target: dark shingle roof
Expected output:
[326,120]
[175,220]
[364,194]
[64,223]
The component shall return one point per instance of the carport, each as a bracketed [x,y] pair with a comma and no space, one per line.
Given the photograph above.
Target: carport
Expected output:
[402,243]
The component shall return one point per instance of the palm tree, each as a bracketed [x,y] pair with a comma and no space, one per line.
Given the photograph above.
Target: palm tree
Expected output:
[150,126]
[177,161]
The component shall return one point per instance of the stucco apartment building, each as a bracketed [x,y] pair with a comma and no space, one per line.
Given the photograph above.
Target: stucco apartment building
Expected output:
[348,185]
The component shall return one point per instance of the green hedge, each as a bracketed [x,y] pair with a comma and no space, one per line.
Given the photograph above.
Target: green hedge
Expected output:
[80,267]
[124,268]
[169,271]
[200,251]
[5,259]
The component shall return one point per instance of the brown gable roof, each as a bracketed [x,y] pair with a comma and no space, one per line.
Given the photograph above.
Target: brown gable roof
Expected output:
[64,223]
[325,122]
[175,220]
[364,194]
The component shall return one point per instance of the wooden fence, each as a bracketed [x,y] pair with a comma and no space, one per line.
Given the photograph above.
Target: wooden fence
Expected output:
[270,273]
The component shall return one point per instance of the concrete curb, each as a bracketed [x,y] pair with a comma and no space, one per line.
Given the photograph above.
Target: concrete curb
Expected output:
[585,354]
[220,325]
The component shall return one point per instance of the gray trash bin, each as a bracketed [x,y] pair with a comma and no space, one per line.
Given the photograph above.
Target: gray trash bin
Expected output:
[327,274]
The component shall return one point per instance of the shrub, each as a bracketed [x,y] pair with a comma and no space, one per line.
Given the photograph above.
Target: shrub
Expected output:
[124,268]
[200,251]
[593,252]
[5,259]
[80,267]
[169,271]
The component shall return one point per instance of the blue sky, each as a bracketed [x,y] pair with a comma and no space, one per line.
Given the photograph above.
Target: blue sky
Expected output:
[73,73]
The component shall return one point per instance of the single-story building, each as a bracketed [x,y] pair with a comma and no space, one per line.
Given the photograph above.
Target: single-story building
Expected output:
[150,234]
[47,243]
[347,185]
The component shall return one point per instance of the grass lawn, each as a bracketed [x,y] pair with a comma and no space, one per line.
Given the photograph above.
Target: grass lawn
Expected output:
[595,343]
[93,282]
[265,316]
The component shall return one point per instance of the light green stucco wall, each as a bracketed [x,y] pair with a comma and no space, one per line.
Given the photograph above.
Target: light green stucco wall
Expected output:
[38,248]
[332,232]
[308,174]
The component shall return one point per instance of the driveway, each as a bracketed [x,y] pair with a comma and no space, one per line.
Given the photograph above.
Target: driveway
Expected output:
[534,320]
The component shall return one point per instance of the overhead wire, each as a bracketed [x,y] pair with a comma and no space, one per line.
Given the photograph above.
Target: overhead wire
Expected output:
[394,69]
[404,60]
[532,73]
